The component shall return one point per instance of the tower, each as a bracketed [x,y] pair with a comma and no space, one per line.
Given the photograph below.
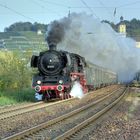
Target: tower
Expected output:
[122,27]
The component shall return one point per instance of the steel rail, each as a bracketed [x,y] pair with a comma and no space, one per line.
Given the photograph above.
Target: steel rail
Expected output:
[6,113]
[15,108]
[91,119]
[23,110]
[39,127]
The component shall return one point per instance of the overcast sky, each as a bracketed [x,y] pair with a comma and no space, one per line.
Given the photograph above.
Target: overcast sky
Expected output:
[45,11]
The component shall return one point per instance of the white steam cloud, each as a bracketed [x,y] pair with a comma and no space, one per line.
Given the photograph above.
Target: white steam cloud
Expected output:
[101,45]
[76,90]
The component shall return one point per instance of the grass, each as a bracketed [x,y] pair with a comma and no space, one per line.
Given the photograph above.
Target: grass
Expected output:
[6,101]
[135,94]
[139,95]
[9,98]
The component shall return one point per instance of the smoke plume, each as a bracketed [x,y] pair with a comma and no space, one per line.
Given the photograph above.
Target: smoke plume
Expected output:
[98,43]
[56,31]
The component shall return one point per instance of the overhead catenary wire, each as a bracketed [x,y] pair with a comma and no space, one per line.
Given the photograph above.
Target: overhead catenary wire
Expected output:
[66,6]
[127,4]
[85,5]
[43,6]
[16,12]
[90,9]
[101,3]
[57,4]
[54,3]
[37,3]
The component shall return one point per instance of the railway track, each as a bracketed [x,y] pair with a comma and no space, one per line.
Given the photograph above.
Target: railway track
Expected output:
[11,112]
[68,124]
[21,109]
[77,130]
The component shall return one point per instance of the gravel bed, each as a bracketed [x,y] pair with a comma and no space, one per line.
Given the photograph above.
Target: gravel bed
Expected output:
[13,106]
[121,124]
[19,123]
[58,129]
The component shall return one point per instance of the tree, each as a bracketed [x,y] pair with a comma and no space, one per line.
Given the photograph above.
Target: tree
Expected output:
[26,26]
[14,74]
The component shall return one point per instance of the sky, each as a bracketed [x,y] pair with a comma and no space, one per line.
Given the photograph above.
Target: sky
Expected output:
[45,11]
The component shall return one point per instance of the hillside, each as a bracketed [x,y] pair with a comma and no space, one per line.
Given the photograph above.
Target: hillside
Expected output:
[23,35]
[23,40]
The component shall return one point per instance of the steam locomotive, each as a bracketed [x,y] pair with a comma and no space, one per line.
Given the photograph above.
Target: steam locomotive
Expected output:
[58,70]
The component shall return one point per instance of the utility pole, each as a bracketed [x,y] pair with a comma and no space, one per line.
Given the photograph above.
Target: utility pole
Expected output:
[69,12]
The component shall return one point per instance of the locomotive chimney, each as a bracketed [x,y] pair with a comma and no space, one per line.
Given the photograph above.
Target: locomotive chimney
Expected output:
[52,46]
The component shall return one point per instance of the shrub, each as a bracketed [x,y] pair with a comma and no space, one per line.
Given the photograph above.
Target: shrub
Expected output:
[15,77]
[14,72]
[26,95]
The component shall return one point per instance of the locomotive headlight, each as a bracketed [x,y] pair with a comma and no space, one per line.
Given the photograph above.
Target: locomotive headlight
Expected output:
[38,82]
[60,81]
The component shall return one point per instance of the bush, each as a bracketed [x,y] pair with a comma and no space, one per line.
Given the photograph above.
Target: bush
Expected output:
[14,74]
[15,78]
[26,95]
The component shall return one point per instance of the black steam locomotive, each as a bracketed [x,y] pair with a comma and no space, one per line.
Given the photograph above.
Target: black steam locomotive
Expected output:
[56,72]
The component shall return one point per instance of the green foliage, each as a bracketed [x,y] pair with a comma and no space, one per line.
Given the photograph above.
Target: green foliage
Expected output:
[25,95]
[26,26]
[6,101]
[14,73]
[15,78]
[6,35]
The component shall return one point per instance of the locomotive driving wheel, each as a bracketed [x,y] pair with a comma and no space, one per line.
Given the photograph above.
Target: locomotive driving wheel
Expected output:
[64,95]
